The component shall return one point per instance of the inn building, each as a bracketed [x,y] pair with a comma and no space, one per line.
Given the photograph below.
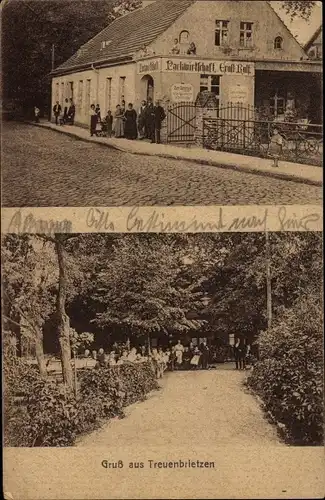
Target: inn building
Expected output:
[241,51]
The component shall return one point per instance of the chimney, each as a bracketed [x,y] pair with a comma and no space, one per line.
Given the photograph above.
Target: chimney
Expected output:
[145,3]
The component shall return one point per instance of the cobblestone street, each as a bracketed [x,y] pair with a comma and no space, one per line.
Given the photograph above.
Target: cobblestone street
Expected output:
[43,168]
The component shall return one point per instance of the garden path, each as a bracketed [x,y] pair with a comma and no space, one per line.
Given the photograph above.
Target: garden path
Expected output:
[204,407]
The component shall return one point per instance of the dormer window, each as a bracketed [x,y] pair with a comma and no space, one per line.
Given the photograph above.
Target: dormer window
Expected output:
[278,42]
[105,44]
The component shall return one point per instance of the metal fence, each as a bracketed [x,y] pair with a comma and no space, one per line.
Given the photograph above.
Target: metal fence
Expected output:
[302,142]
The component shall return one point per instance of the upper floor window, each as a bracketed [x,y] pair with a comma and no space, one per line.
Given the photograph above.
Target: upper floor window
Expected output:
[278,42]
[246,34]
[221,34]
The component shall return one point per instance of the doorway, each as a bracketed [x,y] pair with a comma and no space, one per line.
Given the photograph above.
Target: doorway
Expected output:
[147,87]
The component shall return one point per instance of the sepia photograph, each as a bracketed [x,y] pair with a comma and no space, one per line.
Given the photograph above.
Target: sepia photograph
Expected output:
[172,340]
[161,102]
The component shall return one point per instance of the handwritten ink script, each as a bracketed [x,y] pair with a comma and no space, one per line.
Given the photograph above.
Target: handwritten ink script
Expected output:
[29,224]
[156,220]
[296,223]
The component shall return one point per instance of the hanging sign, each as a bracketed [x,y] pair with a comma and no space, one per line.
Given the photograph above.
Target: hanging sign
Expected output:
[182,92]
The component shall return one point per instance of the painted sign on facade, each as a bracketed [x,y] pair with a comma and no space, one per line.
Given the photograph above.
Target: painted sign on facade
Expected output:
[149,66]
[208,67]
[182,92]
[238,93]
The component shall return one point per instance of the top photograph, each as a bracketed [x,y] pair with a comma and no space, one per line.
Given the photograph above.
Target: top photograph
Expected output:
[161,102]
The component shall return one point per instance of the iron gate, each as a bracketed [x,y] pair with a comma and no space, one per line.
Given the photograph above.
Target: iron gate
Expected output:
[181,122]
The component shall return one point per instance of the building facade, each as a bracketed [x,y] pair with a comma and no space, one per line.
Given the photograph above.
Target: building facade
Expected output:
[173,49]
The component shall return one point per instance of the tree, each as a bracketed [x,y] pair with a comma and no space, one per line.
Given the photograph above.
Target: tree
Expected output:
[138,288]
[29,277]
[299,8]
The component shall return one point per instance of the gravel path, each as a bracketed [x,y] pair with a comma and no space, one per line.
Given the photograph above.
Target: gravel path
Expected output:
[43,168]
[212,405]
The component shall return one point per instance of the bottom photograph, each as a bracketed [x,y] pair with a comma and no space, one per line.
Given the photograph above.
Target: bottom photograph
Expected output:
[163,339]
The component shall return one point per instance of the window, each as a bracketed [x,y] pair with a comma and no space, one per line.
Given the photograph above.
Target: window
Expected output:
[246,34]
[80,93]
[71,90]
[122,89]
[105,44]
[221,34]
[57,92]
[210,83]
[62,93]
[88,91]
[184,37]
[108,94]
[277,105]
[278,42]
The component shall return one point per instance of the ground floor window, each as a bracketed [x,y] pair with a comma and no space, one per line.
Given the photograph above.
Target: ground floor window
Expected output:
[277,105]
[80,94]
[87,101]
[108,93]
[122,89]
[211,83]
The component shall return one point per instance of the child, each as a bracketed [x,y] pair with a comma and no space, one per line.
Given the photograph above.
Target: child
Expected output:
[36,114]
[275,146]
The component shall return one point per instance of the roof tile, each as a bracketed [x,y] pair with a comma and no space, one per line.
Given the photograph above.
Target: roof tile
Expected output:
[128,34]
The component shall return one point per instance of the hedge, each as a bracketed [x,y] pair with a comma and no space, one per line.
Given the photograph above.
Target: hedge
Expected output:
[289,375]
[42,413]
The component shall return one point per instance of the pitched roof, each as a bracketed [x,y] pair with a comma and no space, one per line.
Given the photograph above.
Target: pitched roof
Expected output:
[128,34]
[313,38]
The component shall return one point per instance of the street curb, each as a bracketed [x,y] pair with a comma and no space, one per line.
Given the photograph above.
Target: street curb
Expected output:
[211,163]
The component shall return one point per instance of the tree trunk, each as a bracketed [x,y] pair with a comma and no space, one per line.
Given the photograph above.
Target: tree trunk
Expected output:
[39,351]
[63,319]
[268,281]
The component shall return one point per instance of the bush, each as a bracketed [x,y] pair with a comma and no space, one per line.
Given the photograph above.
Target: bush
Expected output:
[289,375]
[41,413]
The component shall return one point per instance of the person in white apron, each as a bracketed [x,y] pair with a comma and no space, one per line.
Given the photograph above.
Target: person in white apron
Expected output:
[179,349]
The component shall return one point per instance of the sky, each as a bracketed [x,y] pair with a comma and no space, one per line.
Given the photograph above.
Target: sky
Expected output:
[302,29]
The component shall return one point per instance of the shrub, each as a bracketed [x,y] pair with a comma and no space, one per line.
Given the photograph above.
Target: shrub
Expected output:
[289,375]
[41,413]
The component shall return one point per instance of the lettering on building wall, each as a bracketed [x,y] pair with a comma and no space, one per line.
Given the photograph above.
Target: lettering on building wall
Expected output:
[208,67]
[238,93]
[149,66]
[182,92]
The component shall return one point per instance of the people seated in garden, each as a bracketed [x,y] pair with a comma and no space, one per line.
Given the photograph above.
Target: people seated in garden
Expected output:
[195,360]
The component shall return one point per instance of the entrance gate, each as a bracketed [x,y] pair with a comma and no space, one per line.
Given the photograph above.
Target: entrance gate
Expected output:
[181,122]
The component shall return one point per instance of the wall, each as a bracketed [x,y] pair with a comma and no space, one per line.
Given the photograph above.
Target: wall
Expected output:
[203,14]
[98,89]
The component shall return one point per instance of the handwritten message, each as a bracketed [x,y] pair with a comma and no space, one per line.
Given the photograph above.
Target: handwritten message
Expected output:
[162,220]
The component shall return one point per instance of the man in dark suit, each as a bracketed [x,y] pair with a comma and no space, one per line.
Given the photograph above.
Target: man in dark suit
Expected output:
[71,112]
[159,116]
[204,348]
[150,120]
[240,354]
[57,111]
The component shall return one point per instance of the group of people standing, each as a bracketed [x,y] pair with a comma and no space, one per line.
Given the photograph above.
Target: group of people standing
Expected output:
[127,123]
[66,115]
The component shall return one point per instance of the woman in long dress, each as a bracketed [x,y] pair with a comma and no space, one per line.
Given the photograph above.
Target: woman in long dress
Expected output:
[93,120]
[130,127]
[119,122]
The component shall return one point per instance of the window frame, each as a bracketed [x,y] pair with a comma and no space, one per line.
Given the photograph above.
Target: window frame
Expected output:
[278,40]
[220,31]
[244,31]
[210,85]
